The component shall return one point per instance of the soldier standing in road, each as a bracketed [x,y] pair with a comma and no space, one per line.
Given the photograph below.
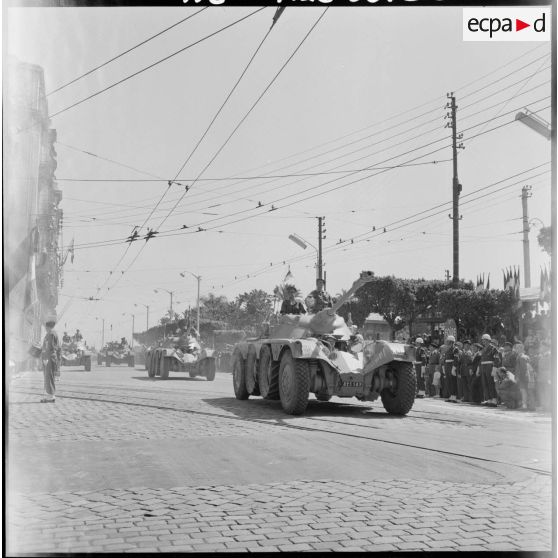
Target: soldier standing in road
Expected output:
[78,336]
[490,358]
[322,298]
[420,366]
[50,355]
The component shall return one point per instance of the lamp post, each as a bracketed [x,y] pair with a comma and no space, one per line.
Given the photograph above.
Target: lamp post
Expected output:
[198,278]
[170,293]
[147,319]
[297,239]
[133,326]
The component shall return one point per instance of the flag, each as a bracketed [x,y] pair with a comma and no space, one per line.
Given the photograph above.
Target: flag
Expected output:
[289,276]
[488,283]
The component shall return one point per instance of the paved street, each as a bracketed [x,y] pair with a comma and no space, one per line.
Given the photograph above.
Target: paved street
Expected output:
[122,462]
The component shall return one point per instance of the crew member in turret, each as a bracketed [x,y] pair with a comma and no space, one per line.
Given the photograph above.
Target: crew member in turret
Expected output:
[322,298]
[291,305]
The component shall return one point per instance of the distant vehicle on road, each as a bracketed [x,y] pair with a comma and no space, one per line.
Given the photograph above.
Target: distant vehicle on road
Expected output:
[177,355]
[75,353]
[317,353]
[114,353]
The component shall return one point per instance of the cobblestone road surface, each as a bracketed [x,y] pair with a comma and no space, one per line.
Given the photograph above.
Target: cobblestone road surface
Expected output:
[84,476]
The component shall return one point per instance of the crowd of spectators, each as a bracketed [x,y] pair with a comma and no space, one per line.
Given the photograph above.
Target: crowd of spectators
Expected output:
[489,372]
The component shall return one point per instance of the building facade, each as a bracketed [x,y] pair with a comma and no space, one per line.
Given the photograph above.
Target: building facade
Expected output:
[32,216]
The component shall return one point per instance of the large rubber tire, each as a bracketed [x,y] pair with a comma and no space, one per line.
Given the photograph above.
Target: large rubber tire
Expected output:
[87,363]
[239,376]
[399,399]
[157,362]
[294,384]
[268,375]
[150,364]
[209,369]
[251,371]
[164,366]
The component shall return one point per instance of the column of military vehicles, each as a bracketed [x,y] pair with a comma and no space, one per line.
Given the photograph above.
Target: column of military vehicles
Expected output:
[295,356]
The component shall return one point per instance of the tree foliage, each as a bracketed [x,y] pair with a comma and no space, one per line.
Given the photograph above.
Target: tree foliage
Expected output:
[545,239]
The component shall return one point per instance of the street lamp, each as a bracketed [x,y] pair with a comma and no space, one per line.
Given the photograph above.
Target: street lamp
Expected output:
[198,278]
[297,239]
[534,122]
[170,293]
[133,326]
[147,320]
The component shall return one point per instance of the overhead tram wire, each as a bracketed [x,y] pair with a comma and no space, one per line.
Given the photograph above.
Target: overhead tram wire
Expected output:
[391,118]
[156,63]
[389,226]
[253,56]
[250,110]
[300,174]
[125,52]
[174,232]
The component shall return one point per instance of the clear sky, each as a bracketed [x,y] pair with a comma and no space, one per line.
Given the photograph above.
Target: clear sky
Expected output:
[365,90]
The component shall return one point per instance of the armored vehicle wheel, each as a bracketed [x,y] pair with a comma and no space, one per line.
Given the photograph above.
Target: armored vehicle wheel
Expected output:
[239,376]
[294,384]
[150,363]
[87,363]
[268,375]
[399,398]
[323,397]
[210,369]
[251,371]
[157,363]
[164,366]
[147,361]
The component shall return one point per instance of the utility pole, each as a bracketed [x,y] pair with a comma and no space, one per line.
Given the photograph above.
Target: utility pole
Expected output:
[103,334]
[133,327]
[456,187]
[525,195]
[321,236]
[198,310]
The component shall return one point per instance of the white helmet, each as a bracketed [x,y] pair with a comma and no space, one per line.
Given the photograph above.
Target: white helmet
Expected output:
[450,338]
[419,340]
[486,336]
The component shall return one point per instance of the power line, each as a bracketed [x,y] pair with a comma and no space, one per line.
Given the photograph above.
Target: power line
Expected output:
[155,63]
[126,52]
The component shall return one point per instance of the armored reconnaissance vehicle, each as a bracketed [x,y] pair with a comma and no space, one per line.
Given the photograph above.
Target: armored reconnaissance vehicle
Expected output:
[75,353]
[313,353]
[176,356]
[114,353]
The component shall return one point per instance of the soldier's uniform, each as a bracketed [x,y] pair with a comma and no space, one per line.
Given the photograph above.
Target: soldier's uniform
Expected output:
[464,375]
[446,359]
[476,381]
[50,355]
[490,358]
[420,363]
[431,367]
[322,300]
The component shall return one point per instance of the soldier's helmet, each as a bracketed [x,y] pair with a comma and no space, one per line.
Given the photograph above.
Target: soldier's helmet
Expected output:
[486,337]
[419,341]
[450,338]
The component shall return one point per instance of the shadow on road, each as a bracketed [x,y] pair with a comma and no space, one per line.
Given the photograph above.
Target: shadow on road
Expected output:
[169,379]
[265,409]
